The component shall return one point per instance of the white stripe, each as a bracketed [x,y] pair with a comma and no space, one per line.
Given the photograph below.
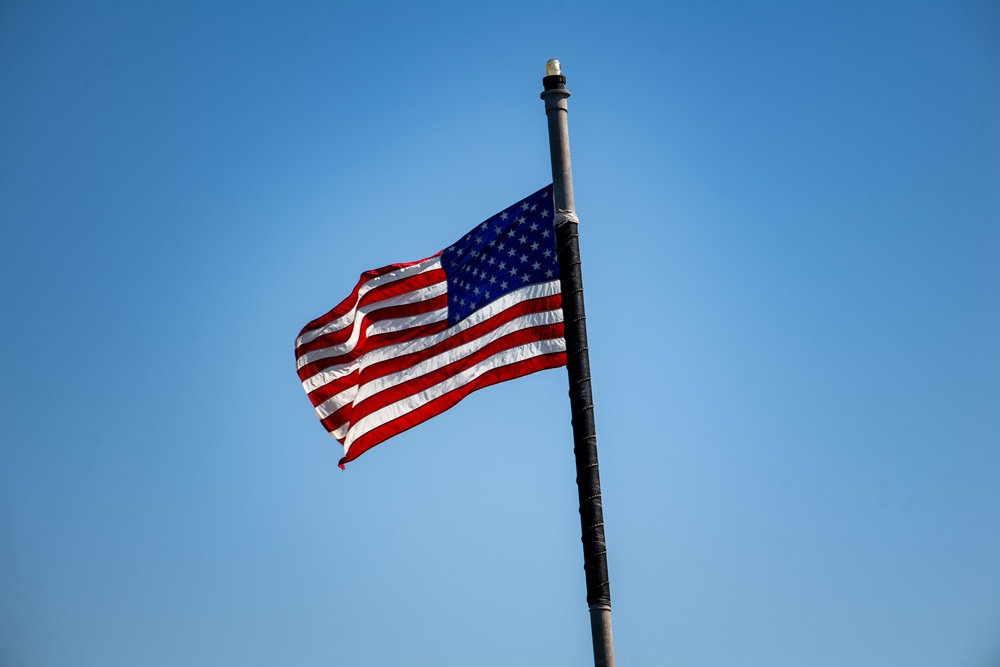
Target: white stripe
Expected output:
[348,395]
[383,326]
[460,352]
[341,433]
[355,395]
[328,375]
[408,322]
[525,293]
[411,403]
[429,264]
[334,403]
[488,311]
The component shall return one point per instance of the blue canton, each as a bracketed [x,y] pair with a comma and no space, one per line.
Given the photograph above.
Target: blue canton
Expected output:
[514,248]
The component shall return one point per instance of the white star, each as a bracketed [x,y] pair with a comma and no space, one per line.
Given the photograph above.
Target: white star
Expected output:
[503,285]
[536,266]
[486,294]
[549,273]
[534,246]
[503,265]
[523,239]
[533,207]
[476,290]
[524,205]
[534,226]
[545,212]
[547,253]
[520,220]
[479,239]
[492,261]
[493,280]
[524,258]
[503,216]
[513,271]
[484,225]
[525,277]
[501,246]
[545,233]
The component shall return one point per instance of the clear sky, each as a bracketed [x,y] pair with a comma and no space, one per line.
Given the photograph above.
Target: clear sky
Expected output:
[791,243]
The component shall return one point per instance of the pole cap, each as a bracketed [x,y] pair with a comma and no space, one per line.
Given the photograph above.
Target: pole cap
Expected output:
[554,79]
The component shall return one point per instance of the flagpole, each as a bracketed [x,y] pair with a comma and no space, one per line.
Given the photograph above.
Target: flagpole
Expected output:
[588,479]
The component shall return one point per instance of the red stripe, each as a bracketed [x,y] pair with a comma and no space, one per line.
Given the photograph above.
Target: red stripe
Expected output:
[398,363]
[480,330]
[397,287]
[423,382]
[376,295]
[374,342]
[331,389]
[337,419]
[354,412]
[341,336]
[442,403]
[347,304]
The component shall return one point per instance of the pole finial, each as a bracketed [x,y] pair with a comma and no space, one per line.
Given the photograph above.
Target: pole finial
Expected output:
[554,79]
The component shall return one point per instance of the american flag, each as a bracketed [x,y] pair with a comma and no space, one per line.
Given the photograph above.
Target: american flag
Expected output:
[414,339]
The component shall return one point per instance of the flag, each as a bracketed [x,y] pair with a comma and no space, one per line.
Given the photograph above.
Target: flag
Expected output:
[414,339]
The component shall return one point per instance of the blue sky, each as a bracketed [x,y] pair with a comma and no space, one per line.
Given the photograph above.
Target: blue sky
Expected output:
[791,242]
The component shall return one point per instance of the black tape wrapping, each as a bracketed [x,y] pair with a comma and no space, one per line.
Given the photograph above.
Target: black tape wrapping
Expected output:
[595,562]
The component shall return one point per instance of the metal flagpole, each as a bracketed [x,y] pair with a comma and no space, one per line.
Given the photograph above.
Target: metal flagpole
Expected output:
[588,479]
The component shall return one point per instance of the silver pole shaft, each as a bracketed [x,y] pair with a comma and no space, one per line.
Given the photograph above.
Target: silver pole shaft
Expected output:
[588,480]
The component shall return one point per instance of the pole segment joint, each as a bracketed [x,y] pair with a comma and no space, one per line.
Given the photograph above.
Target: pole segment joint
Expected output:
[566,218]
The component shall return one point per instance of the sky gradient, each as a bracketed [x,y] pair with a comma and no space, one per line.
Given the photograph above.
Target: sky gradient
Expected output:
[790,229]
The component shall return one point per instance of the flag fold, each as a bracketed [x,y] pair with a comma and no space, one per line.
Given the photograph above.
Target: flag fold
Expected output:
[413,339]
